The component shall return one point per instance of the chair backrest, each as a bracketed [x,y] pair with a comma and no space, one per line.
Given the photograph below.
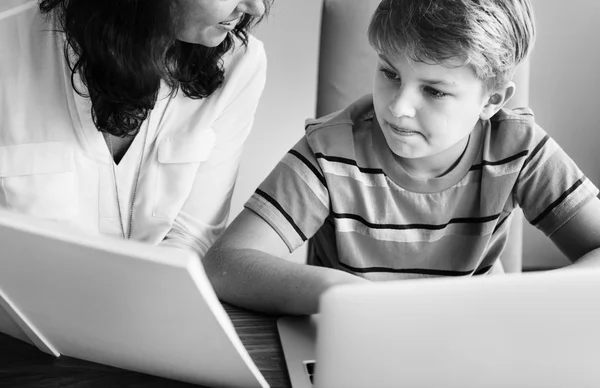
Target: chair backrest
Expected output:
[346,72]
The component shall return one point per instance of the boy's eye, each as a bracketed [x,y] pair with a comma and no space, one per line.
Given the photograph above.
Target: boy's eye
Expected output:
[389,74]
[434,92]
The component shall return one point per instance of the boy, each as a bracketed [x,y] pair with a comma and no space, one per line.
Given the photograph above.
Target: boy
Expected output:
[419,179]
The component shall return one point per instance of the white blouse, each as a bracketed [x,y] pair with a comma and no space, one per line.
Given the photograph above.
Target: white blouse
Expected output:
[55,164]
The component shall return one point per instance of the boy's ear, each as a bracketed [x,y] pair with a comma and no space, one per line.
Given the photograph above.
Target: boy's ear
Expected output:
[497,100]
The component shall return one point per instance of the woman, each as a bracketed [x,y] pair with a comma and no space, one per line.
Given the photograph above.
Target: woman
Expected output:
[128,117]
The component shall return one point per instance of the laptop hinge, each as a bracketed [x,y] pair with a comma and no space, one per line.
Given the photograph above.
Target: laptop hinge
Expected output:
[15,324]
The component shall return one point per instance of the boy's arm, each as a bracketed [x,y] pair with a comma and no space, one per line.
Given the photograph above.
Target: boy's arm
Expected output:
[247,269]
[579,238]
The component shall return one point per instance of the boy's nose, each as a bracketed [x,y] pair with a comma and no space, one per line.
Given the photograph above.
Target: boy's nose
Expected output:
[254,8]
[402,105]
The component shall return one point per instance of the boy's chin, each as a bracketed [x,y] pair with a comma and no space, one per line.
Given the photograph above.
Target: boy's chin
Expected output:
[403,155]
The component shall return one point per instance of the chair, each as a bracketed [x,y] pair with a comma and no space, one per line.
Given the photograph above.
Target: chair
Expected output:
[346,70]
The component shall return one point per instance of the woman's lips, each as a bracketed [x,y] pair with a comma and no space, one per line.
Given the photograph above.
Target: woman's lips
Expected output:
[229,25]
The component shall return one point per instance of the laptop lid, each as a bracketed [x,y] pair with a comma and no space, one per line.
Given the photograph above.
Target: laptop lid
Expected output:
[121,303]
[528,330]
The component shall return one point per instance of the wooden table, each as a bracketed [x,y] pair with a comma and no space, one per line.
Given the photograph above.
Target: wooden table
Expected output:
[23,365]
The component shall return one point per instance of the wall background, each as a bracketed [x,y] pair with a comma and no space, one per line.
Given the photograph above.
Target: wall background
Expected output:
[291,38]
[564,94]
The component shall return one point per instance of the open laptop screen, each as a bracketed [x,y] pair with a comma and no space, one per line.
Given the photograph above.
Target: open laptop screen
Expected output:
[121,303]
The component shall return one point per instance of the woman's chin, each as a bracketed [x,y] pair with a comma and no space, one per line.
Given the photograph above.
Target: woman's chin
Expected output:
[211,38]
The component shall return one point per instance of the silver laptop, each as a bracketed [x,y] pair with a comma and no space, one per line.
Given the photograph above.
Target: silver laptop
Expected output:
[121,303]
[520,330]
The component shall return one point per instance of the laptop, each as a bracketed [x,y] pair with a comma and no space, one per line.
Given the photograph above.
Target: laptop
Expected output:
[121,303]
[519,330]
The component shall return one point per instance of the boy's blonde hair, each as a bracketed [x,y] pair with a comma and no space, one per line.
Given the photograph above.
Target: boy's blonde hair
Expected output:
[491,36]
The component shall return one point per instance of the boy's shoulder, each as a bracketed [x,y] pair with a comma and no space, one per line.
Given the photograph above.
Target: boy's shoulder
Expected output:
[337,126]
[511,132]
[514,117]
[518,122]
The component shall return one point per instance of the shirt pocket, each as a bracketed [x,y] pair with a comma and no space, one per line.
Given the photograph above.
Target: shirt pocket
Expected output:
[179,158]
[39,179]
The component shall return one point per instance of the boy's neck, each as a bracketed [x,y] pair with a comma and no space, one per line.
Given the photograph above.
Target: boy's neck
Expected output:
[438,165]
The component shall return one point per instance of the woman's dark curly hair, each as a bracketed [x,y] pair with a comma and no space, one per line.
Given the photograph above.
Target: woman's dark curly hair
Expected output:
[122,49]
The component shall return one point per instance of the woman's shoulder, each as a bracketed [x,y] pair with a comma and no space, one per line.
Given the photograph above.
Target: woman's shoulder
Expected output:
[17,19]
[15,7]
[24,32]
[245,71]
[248,57]
[32,53]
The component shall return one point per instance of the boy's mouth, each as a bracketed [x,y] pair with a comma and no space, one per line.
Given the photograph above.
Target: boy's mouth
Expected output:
[403,131]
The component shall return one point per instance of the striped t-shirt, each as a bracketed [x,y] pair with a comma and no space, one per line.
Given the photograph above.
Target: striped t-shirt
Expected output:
[340,186]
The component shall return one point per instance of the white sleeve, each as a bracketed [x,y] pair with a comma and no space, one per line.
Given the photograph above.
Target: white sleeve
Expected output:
[204,215]
[12,7]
